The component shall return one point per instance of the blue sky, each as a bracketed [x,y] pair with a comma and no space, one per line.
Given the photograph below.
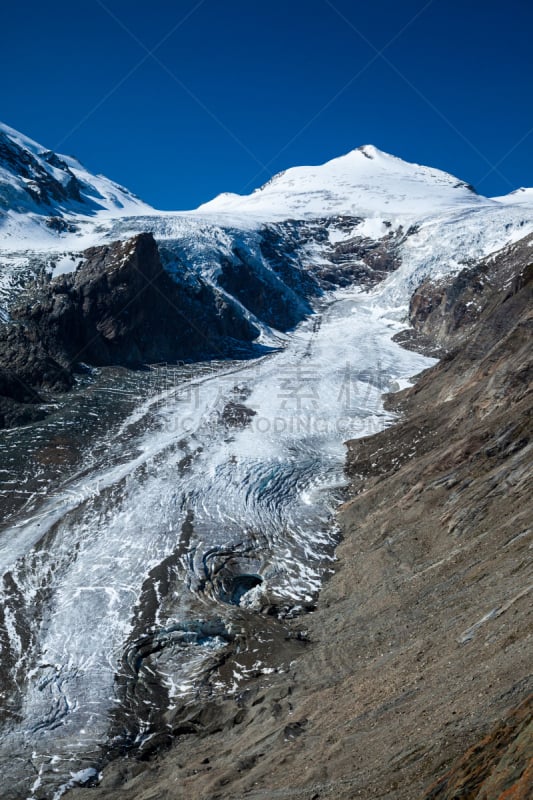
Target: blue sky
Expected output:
[182,100]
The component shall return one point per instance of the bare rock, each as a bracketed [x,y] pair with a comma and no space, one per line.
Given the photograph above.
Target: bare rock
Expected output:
[499,767]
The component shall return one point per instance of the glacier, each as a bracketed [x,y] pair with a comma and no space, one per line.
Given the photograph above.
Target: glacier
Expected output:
[210,502]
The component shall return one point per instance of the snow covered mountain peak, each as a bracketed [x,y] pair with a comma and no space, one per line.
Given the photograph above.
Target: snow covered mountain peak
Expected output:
[364,182]
[39,188]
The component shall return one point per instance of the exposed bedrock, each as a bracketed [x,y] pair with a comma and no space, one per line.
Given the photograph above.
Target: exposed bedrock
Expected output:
[119,307]
[26,368]
[262,292]
[131,303]
[302,253]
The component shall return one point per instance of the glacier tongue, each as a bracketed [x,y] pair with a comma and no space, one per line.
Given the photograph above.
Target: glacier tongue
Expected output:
[231,486]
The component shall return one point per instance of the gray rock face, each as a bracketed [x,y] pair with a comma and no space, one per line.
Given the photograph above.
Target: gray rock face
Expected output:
[447,310]
[119,307]
[262,293]
[354,259]
[25,369]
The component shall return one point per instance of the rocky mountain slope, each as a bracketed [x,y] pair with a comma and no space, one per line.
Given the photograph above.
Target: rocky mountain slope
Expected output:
[500,765]
[421,642]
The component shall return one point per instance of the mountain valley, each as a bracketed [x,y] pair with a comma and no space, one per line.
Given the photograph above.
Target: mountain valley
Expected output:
[205,592]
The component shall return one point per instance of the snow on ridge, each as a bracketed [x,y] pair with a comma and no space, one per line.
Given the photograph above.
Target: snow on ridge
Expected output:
[447,244]
[362,182]
[36,184]
[23,141]
[521,196]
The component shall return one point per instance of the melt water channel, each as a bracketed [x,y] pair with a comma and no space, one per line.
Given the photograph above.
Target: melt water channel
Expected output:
[157,519]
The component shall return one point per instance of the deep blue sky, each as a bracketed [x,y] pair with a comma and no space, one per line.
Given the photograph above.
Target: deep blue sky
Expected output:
[240,89]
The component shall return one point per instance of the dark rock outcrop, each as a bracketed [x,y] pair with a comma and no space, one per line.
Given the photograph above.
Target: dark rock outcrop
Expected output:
[301,252]
[119,307]
[26,369]
[262,292]
[446,310]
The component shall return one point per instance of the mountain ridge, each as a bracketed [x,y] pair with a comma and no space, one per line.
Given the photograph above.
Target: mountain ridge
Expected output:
[406,667]
[97,194]
[386,180]
[52,189]
[365,217]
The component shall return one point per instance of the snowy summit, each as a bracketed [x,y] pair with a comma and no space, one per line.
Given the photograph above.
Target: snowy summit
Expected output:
[364,181]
